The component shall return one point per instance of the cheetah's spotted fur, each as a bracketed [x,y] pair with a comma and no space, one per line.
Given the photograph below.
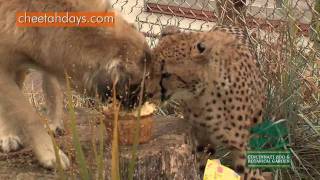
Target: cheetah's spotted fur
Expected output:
[220,86]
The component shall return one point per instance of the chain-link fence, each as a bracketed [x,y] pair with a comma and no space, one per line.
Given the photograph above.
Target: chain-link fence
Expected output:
[285,35]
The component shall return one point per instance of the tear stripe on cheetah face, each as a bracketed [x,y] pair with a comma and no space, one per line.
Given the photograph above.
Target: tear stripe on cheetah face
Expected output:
[232,94]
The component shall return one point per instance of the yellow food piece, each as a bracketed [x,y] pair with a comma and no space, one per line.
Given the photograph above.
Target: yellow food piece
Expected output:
[107,108]
[216,171]
[146,109]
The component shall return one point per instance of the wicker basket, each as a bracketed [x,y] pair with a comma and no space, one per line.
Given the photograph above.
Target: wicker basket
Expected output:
[127,125]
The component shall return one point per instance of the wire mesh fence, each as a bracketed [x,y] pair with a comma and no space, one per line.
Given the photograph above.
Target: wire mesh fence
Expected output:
[285,35]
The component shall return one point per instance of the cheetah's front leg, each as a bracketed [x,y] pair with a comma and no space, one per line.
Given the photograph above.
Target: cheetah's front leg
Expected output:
[19,114]
[239,160]
[54,100]
[202,147]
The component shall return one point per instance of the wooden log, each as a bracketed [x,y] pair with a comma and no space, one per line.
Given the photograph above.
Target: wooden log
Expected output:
[166,156]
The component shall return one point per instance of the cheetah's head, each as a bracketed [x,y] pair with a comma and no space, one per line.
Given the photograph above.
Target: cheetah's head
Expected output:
[182,61]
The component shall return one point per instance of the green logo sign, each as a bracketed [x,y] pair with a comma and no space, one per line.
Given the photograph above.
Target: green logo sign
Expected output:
[269,159]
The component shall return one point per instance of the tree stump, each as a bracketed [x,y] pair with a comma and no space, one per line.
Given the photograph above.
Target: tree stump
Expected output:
[166,156]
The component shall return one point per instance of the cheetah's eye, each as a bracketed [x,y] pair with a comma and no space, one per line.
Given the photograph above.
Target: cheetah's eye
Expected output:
[201,47]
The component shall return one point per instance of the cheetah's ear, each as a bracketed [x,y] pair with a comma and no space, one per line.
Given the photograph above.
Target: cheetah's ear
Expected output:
[169,30]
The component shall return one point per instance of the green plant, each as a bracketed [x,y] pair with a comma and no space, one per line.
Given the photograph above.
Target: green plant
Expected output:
[133,161]
[80,158]
[115,174]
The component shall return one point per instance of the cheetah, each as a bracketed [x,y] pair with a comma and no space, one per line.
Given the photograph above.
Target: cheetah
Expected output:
[219,84]
[248,38]
[94,59]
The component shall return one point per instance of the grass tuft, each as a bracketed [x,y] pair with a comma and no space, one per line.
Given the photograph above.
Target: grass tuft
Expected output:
[80,158]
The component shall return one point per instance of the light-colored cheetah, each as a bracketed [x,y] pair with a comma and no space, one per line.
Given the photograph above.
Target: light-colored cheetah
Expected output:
[93,58]
[219,84]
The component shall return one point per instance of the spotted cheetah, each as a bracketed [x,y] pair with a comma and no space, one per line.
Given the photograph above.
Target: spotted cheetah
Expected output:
[248,38]
[240,33]
[220,87]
